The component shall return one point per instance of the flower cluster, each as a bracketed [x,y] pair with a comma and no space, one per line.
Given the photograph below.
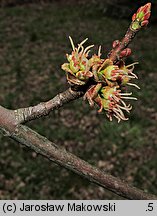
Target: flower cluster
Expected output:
[78,68]
[109,80]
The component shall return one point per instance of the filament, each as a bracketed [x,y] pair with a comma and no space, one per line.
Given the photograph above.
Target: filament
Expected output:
[82,49]
[125,108]
[119,111]
[127,94]
[79,45]
[132,77]
[116,98]
[99,51]
[72,43]
[109,116]
[87,48]
[117,118]
[123,103]
[135,63]
[133,84]
[130,72]
[130,98]
[121,117]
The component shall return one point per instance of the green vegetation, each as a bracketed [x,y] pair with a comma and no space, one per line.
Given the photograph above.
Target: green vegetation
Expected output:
[33,44]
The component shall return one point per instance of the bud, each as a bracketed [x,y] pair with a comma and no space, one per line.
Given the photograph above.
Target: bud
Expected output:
[125,53]
[115,43]
[140,18]
[108,79]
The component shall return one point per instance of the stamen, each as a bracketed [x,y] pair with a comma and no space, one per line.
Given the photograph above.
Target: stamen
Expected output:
[72,43]
[88,48]
[87,53]
[116,98]
[99,51]
[120,111]
[82,50]
[117,118]
[133,84]
[79,45]
[132,77]
[130,72]
[127,94]
[135,63]
[130,98]
[83,41]
[127,109]
[109,116]
[117,113]
[123,103]
[121,117]
[124,108]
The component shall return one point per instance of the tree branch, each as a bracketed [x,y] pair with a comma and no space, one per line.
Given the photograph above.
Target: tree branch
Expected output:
[23,115]
[43,146]
[115,52]
[10,125]
[139,19]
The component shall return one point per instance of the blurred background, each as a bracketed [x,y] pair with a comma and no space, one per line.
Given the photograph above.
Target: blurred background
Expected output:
[33,43]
